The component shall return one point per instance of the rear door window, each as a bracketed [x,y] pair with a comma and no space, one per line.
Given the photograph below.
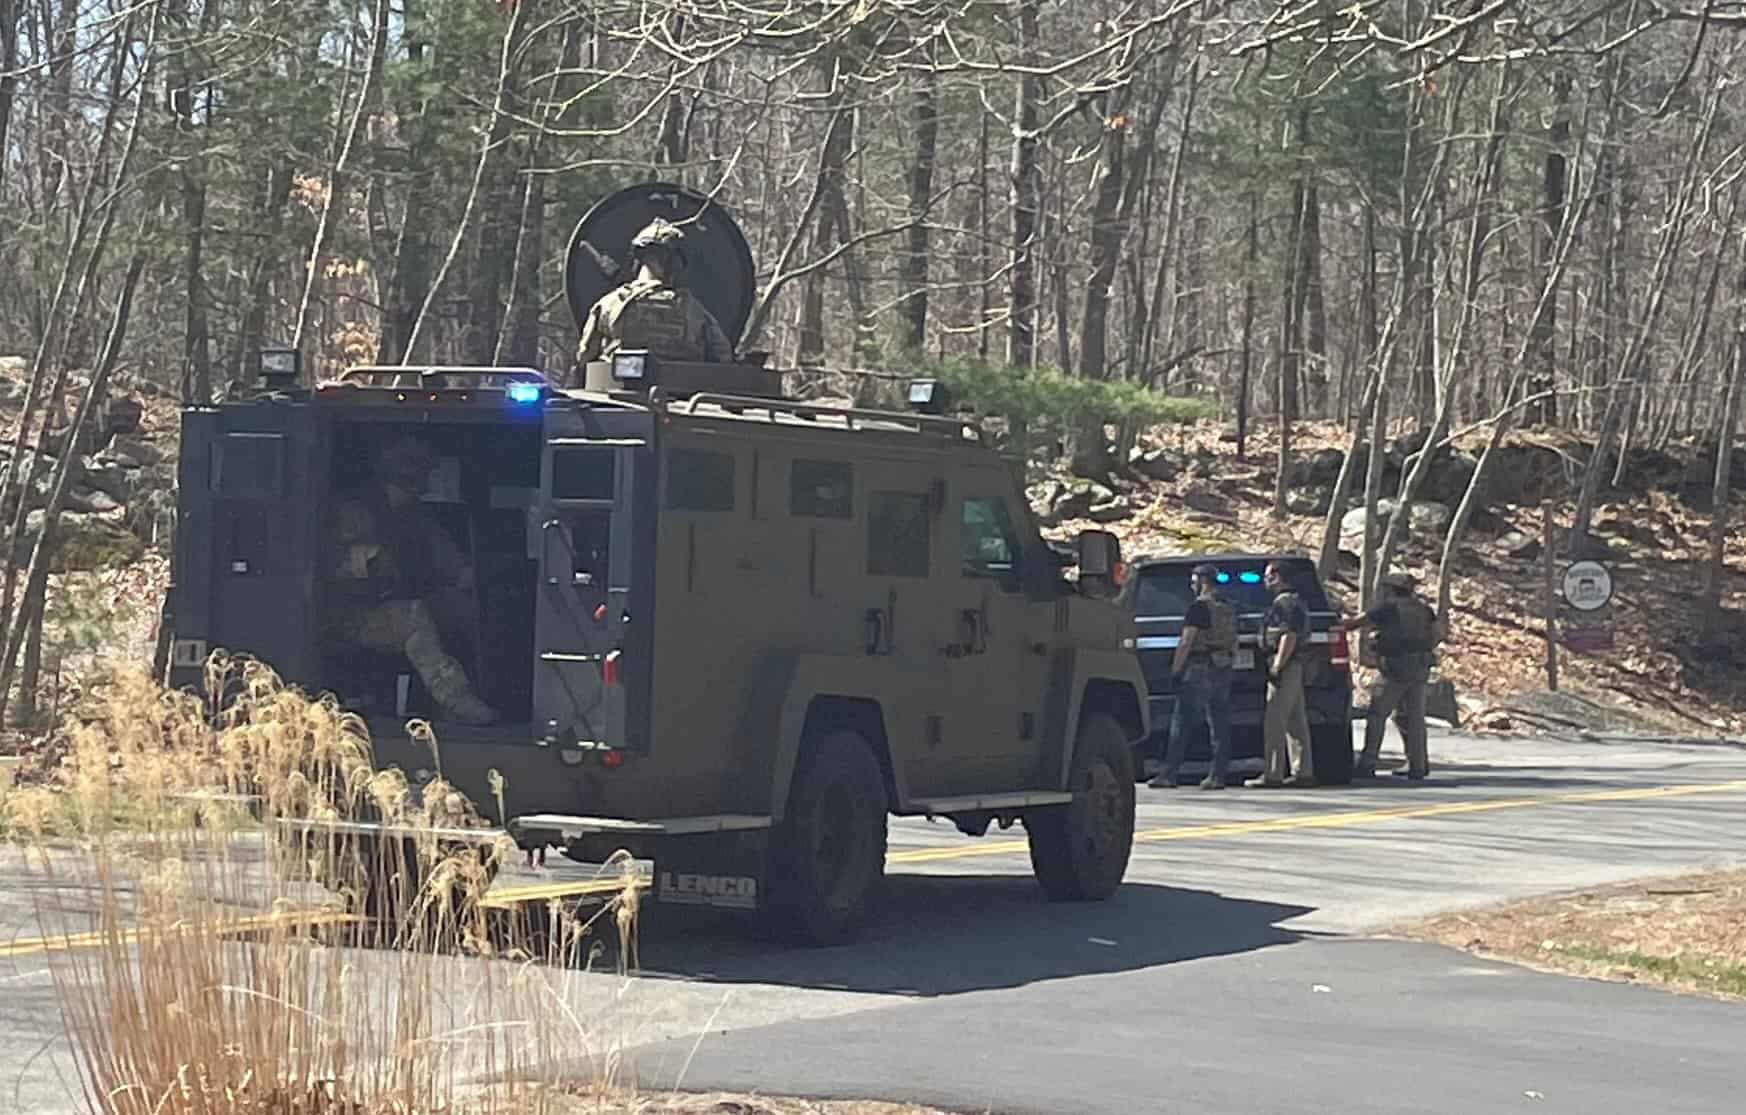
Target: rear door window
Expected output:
[1164,590]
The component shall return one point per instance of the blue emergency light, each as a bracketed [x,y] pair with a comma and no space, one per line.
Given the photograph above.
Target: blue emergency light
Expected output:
[1249,578]
[523,392]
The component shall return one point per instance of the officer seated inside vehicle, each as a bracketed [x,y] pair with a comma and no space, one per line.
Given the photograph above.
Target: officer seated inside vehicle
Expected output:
[654,311]
[393,578]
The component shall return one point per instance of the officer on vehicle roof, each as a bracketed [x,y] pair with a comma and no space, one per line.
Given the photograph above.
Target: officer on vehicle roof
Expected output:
[1284,629]
[1202,671]
[1407,633]
[653,311]
[390,572]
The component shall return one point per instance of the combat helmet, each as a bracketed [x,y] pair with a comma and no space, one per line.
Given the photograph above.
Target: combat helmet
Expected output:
[1399,582]
[659,233]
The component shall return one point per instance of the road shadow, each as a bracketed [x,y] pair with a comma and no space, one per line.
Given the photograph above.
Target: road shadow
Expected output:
[933,935]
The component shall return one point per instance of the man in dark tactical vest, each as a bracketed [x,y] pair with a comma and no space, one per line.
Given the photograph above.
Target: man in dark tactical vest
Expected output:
[653,311]
[1202,672]
[1285,727]
[391,575]
[1407,632]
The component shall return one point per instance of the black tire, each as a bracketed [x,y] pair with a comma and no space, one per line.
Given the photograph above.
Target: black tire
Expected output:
[1331,751]
[1079,851]
[828,854]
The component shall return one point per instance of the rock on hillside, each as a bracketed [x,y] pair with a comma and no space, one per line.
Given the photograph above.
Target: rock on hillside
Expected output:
[122,500]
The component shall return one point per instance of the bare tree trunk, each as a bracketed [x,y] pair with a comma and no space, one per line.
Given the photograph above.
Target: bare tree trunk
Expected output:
[36,578]
[1108,233]
[20,476]
[1027,190]
[1672,237]
[984,246]
[1291,317]
[271,217]
[1169,258]
[337,180]
[1479,200]
[9,13]
[486,149]
[1710,606]
[925,119]
[1330,552]
[1251,259]
[1546,235]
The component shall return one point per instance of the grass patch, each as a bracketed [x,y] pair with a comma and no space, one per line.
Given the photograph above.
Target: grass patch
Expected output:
[1718,977]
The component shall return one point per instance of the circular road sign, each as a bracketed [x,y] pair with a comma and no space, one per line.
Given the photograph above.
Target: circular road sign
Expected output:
[1587,585]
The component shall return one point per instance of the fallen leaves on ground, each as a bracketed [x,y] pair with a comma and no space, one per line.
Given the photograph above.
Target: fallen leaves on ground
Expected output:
[1686,932]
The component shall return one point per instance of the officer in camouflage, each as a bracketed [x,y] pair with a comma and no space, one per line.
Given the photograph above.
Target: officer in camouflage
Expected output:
[652,311]
[392,574]
[1408,631]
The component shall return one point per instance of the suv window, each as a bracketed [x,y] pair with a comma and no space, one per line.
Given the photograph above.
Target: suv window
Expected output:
[1164,590]
[987,541]
[898,534]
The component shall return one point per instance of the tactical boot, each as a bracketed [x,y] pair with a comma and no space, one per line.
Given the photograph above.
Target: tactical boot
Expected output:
[448,683]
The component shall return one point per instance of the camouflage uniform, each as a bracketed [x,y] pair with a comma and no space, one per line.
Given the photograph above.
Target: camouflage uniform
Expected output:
[1407,632]
[392,575]
[650,313]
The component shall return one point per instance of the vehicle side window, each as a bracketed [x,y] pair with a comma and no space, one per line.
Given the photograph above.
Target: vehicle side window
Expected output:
[988,543]
[898,534]
[698,480]
[821,489]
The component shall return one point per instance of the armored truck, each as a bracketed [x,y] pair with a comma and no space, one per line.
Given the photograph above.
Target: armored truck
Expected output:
[725,631]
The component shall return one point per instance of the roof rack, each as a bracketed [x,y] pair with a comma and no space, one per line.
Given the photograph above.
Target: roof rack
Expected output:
[853,418]
[428,377]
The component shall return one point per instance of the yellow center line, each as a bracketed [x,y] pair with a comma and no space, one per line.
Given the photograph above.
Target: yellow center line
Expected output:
[512,896]
[291,919]
[1339,819]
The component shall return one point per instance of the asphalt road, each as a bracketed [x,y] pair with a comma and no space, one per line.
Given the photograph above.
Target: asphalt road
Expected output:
[1241,969]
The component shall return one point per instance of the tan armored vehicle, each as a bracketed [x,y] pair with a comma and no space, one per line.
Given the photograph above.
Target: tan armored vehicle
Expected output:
[728,632]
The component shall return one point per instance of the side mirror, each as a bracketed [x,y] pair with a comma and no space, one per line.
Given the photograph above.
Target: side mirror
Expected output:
[1100,563]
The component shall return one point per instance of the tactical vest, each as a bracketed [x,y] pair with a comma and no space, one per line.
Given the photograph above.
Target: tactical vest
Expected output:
[1220,638]
[657,320]
[1406,644]
[1271,632]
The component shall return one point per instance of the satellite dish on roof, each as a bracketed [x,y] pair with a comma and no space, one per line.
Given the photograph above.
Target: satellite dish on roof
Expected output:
[718,260]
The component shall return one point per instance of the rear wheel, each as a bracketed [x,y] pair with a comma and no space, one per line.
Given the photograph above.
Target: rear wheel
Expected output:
[829,851]
[1331,746]
[1079,851]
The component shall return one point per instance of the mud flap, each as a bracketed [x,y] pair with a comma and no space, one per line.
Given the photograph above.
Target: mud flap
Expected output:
[718,870]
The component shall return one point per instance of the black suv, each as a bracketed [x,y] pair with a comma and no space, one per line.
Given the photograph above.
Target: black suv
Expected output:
[1158,594]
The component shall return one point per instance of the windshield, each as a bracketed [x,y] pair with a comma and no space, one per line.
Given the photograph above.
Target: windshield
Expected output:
[1164,590]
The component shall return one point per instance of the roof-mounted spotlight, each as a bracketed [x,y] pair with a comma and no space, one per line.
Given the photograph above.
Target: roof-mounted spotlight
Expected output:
[280,367]
[928,396]
[630,365]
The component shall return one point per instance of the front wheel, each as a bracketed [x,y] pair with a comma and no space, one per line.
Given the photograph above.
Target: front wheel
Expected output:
[1079,851]
[829,851]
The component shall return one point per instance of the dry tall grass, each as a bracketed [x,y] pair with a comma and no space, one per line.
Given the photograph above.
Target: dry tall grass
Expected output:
[209,965]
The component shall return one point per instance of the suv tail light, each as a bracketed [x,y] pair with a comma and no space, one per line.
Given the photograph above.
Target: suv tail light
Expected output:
[609,669]
[1339,650]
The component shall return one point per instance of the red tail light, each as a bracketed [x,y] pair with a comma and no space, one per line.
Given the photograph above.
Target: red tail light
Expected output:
[609,669]
[1339,650]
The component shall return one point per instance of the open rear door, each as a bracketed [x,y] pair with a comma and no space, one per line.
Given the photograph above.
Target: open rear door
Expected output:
[582,536]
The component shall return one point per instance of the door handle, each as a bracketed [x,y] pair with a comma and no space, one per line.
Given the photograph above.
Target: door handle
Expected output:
[546,529]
